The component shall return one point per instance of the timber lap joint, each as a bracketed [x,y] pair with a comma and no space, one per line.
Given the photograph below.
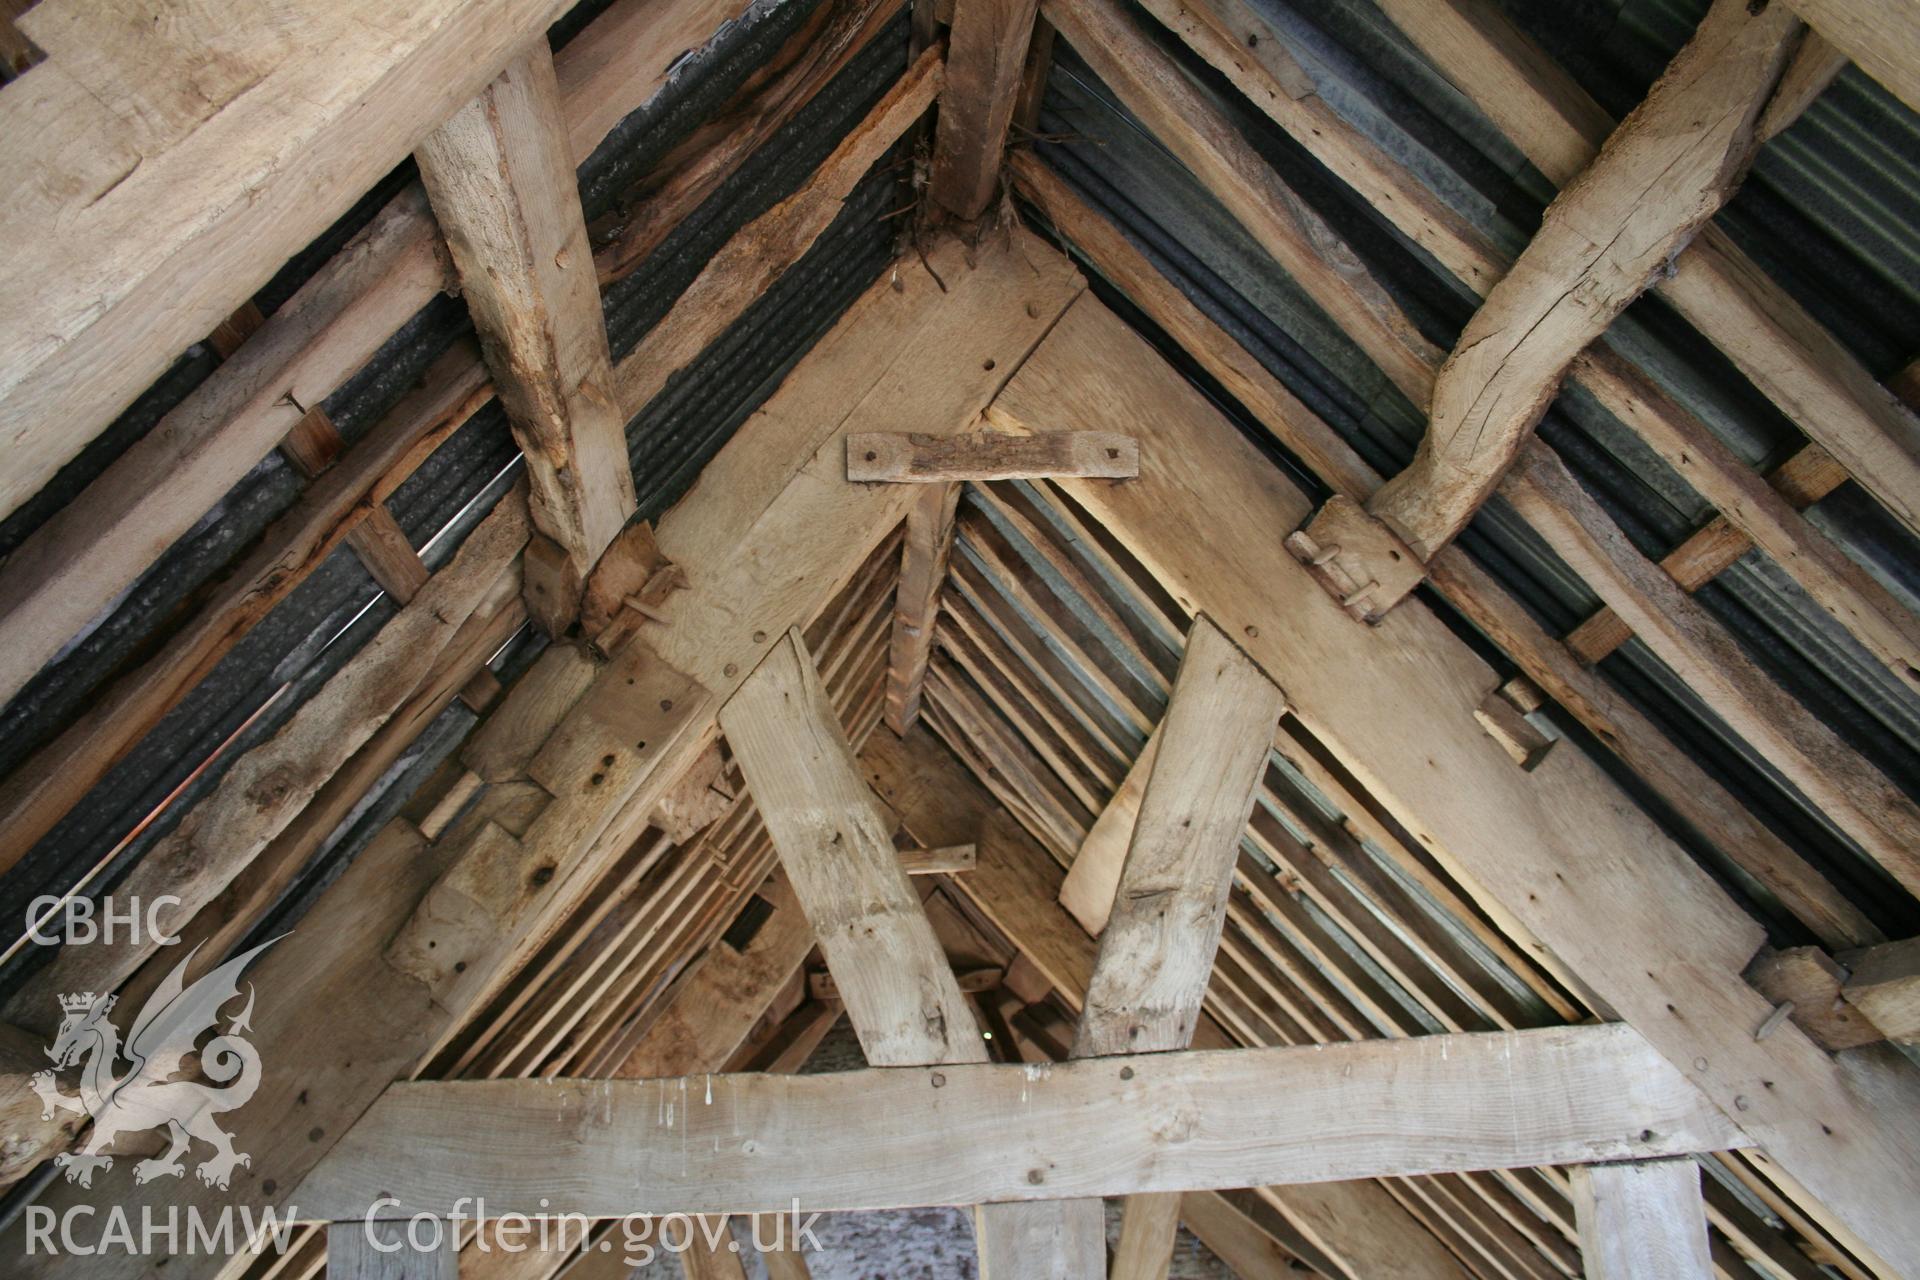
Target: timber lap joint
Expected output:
[1357,559]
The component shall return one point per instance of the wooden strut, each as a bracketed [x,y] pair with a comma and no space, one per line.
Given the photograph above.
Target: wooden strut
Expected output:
[887,965]
[1598,248]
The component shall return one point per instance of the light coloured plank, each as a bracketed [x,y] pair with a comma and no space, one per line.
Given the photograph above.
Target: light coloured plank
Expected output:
[916,600]
[1239,1117]
[1854,795]
[1553,665]
[1037,1238]
[1095,874]
[1660,176]
[981,456]
[501,179]
[1506,832]
[759,252]
[1149,1224]
[107,286]
[1642,1219]
[1156,952]
[382,1251]
[1154,89]
[1886,987]
[833,840]
[1017,886]
[1883,36]
[986,54]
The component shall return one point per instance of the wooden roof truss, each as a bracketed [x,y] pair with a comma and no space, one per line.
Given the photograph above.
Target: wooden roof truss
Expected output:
[1347,957]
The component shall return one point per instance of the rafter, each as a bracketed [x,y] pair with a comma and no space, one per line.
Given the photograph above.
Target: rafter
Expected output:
[108,281]
[1515,833]
[501,179]
[1017,885]
[1556,666]
[916,601]
[888,968]
[1789,356]
[1665,171]
[1157,950]
[986,54]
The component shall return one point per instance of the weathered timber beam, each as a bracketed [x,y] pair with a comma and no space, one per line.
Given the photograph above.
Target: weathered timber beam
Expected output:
[916,601]
[888,967]
[1247,1117]
[987,455]
[98,545]
[1017,886]
[1883,36]
[759,252]
[1157,950]
[500,176]
[1788,355]
[987,52]
[1679,781]
[43,789]
[833,840]
[916,350]
[1764,330]
[1154,89]
[1661,175]
[382,1251]
[1645,908]
[1856,797]
[108,281]
[1886,987]
[1642,1219]
[268,787]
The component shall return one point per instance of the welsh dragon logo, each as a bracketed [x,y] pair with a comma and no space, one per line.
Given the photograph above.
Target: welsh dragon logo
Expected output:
[145,1095]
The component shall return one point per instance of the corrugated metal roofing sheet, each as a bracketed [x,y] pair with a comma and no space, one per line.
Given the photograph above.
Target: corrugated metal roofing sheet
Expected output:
[1791,209]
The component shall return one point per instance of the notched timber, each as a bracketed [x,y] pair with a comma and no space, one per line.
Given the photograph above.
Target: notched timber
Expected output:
[989,455]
